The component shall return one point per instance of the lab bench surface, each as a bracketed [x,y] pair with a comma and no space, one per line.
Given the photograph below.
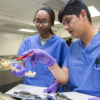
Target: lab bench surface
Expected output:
[22,90]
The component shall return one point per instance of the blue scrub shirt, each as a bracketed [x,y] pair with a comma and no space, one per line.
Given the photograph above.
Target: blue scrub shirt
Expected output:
[55,46]
[83,64]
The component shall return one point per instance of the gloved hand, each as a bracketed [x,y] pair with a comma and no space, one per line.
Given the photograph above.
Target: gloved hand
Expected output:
[52,88]
[21,71]
[39,56]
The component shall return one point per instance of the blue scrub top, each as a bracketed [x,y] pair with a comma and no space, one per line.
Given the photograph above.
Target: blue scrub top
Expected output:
[84,66]
[55,46]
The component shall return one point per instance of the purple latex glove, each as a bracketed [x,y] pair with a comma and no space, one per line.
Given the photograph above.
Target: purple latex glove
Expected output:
[39,56]
[95,98]
[21,71]
[52,88]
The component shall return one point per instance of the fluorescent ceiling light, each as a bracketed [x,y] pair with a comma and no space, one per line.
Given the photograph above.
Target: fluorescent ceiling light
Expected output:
[93,11]
[26,30]
[56,22]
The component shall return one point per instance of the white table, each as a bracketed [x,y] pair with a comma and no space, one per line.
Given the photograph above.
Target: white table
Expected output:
[75,96]
[39,91]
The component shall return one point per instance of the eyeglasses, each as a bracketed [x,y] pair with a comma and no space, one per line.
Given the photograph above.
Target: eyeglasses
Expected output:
[37,22]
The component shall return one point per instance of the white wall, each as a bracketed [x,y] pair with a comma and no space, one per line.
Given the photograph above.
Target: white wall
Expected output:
[10,42]
[61,32]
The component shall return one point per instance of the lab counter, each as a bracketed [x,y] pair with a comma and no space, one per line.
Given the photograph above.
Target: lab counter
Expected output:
[36,93]
[8,80]
[5,97]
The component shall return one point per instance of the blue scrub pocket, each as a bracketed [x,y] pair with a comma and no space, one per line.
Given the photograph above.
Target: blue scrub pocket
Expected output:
[98,66]
[97,63]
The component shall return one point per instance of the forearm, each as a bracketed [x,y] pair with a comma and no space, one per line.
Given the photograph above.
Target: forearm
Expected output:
[61,76]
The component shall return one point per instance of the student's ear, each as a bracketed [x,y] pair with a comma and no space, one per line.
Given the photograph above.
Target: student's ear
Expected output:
[83,14]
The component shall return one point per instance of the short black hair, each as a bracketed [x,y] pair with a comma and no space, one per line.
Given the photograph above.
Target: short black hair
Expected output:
[74,7]
[50,12]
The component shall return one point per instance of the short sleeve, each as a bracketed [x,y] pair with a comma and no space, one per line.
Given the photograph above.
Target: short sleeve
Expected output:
[66,64]
[63,53]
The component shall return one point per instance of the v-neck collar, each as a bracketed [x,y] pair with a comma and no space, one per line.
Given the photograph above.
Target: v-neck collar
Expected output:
[93,44]
[47,42]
